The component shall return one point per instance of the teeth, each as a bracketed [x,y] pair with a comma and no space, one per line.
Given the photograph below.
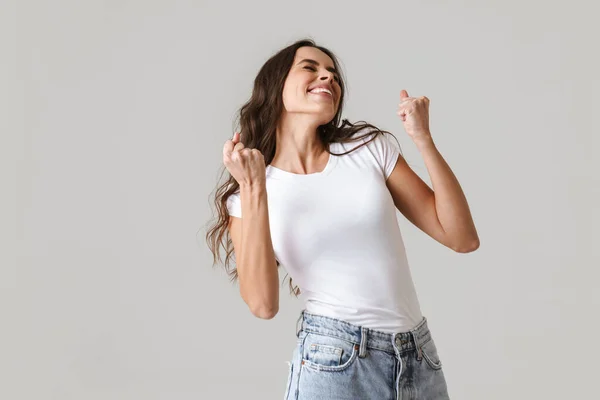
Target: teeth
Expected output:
[320,90]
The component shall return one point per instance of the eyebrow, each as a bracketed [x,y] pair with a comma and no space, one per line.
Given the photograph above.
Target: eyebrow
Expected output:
[331,69]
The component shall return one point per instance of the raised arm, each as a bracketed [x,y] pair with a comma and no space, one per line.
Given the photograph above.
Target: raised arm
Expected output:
[250,234]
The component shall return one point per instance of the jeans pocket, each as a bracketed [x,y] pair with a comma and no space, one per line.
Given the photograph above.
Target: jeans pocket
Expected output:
[430,354]
[328,353]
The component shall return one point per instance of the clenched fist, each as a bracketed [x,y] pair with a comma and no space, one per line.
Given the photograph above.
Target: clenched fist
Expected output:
[247,166]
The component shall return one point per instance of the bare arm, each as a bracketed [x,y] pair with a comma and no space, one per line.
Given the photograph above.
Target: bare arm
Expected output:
[443,212]
[427,209]
[450,202]
[255,257]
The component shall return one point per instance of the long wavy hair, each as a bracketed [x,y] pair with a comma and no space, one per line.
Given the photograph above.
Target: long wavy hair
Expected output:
[258,119]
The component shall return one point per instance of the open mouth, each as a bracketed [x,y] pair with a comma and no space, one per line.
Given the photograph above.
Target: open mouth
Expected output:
[321,92]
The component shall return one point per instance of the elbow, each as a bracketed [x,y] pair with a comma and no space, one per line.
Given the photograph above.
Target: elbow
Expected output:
[469,247]
[265,312]
[263,309]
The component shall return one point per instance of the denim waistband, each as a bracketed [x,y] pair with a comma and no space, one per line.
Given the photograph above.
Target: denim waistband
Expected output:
[371,338]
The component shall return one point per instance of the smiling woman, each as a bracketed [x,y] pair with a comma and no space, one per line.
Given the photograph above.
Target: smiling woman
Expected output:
[313,74]
[307,191]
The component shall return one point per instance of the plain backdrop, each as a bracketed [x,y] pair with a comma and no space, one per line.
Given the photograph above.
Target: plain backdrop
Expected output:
[114,115]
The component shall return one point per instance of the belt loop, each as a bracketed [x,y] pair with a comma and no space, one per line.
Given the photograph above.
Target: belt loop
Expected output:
[363,342]
[298,320]
[418,346]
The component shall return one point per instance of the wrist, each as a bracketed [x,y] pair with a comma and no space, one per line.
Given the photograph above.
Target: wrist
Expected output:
[424,143]
[252,187]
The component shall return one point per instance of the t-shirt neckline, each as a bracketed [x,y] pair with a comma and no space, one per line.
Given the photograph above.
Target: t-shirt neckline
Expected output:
[274,171]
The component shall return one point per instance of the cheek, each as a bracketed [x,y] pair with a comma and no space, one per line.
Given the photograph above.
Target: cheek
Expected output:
[293,96]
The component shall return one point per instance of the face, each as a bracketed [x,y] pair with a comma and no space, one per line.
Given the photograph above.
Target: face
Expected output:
[299,93]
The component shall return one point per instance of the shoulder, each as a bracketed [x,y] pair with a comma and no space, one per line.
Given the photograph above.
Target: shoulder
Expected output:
[371,143]
[372,139]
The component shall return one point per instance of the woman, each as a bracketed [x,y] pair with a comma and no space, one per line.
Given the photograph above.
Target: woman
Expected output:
[319,197]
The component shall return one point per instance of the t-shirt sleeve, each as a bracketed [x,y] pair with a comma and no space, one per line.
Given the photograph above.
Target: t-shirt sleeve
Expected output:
[385,151]
[234,205]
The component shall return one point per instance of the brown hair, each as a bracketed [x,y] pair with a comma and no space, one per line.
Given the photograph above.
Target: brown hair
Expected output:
[258,119]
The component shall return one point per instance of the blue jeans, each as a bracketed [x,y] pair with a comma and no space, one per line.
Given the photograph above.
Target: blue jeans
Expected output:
[334,359]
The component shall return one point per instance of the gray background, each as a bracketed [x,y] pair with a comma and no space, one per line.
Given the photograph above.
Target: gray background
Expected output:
[114,114]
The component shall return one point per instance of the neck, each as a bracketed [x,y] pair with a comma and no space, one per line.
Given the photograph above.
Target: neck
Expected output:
[299,149]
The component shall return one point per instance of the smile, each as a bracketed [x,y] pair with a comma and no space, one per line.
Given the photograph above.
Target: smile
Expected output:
[321,91]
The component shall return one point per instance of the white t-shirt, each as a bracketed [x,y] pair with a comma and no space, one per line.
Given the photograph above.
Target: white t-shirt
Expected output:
[336,234]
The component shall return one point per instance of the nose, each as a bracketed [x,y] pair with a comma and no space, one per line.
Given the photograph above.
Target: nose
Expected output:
[329,76]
